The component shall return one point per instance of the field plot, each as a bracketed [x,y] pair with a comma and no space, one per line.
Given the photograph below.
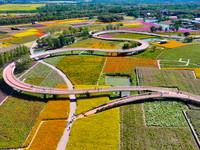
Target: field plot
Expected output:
[48,135]
[165,113]
[53,60]
[25,39]
[98,131]
[89,42]
[127,65]
[133,36]
[82,70]
[85,103]
[186,52]
[17,116]
[14,7]
[102,46]
[54,110]
[37,74]
[194,117]
[134,134]
[183,79]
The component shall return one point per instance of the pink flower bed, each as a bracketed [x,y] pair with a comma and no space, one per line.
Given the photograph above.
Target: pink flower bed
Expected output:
[81,23]
[166,22]
[148,23]
[137,29]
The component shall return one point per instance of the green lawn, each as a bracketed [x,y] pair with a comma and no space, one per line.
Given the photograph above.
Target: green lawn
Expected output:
[176,64]
[185,52]
[183,79]
[17,116]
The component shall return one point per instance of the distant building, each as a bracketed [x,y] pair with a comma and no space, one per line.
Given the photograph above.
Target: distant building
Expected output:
[197,19]
[164,12]
[163,41]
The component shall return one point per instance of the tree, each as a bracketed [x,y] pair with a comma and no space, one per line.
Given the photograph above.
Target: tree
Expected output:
[186,33]
[22,64]
[25,49]
[80,29]
[160,28]
[6,57]
[177,28]
[62,40]
[56,42]
[153,29]
[126,46]
[73,39]
[1,60]
[189,39]
[11,54]
[166,29]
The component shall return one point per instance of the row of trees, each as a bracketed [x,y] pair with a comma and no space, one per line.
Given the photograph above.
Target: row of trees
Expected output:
[131,44]
[154,29]
[110,18]
[111,27]
[16,52]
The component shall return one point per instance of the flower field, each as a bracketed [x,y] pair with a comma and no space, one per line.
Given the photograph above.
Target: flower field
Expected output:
[85,104]
[165,113]
[135,135]
[62,86]
[102,46]
[5,45]
[14,7]
[10,40]
[25,39]
[98,131]
[48,135]
[54,110]
[127,65]
[171,44]
[82,70]
[26,33]
[17,116]
[132,24]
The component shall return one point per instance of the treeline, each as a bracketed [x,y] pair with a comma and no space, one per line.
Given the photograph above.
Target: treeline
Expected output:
[110,18]
[16,52]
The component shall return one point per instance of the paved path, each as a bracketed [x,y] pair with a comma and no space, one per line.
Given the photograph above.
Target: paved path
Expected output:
[65,138]
[142,47]
[10,79]
[142,97]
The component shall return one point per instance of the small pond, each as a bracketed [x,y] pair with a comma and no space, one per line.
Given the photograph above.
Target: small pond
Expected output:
[36,52]
[119,81]
[150,40]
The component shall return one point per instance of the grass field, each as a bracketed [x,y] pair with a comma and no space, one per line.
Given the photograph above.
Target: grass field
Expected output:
[186,52]
[14,7]
[135,135]
[98,131]
[133,36]
[53,60]
[17,116]
[183,79]
[88,42]
[82,70]
[176,64]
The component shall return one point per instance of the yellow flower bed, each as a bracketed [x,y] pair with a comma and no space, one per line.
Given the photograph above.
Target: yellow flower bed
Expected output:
[63,86]
[133,24]
[96,132]
[29,44]
[10,40]
[26,33]
[102,46]
[72,21]
[85,104]
[5,45]
[196,70]
[48,135]
[172,44]
[55,109]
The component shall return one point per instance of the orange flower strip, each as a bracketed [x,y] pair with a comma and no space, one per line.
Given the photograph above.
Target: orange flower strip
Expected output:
[55,109]
[48,135]
[127,65]
[196,70]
